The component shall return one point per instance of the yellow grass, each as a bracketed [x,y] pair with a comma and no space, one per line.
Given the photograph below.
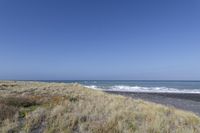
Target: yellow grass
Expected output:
[68,108]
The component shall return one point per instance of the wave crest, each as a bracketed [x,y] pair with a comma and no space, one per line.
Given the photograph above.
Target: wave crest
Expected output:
[124,88]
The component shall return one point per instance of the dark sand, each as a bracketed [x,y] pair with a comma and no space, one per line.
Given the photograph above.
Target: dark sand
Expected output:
[189,102]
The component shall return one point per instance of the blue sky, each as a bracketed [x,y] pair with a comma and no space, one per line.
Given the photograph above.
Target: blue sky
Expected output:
[104,39]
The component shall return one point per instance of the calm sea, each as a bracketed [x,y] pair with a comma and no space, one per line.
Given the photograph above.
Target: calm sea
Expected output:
[139,85]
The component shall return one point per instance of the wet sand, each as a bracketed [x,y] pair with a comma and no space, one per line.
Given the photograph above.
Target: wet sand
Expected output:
[189,102]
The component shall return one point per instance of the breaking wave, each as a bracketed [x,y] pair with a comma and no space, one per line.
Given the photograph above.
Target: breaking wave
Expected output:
[123,88]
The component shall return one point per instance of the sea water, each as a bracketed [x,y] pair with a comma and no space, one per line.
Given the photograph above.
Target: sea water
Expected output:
[140,85]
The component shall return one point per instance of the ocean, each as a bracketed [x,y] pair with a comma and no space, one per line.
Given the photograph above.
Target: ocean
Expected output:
[139,85]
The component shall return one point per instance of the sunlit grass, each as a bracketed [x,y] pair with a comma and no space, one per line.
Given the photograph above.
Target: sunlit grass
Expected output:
[58,108]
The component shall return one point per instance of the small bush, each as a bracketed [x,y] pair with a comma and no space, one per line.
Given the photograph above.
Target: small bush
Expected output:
[18,101]
[7,112]
[73,99]
[8,85]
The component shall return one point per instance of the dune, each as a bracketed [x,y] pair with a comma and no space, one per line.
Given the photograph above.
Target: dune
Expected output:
[37,107]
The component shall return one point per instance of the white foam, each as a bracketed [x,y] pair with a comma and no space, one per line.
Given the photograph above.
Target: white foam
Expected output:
[123,88]
[93,87]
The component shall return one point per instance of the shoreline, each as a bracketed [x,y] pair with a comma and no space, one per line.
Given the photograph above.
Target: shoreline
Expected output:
[183,101]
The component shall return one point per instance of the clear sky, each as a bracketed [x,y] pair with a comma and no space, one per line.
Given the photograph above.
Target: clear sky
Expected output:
[100,39]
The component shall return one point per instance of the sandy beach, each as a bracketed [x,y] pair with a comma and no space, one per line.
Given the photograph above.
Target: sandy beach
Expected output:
[184,101]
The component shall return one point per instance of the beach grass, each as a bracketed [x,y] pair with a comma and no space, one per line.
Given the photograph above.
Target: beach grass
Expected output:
[37,107]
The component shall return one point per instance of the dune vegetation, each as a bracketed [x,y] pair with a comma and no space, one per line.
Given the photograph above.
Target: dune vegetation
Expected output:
[36,107]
